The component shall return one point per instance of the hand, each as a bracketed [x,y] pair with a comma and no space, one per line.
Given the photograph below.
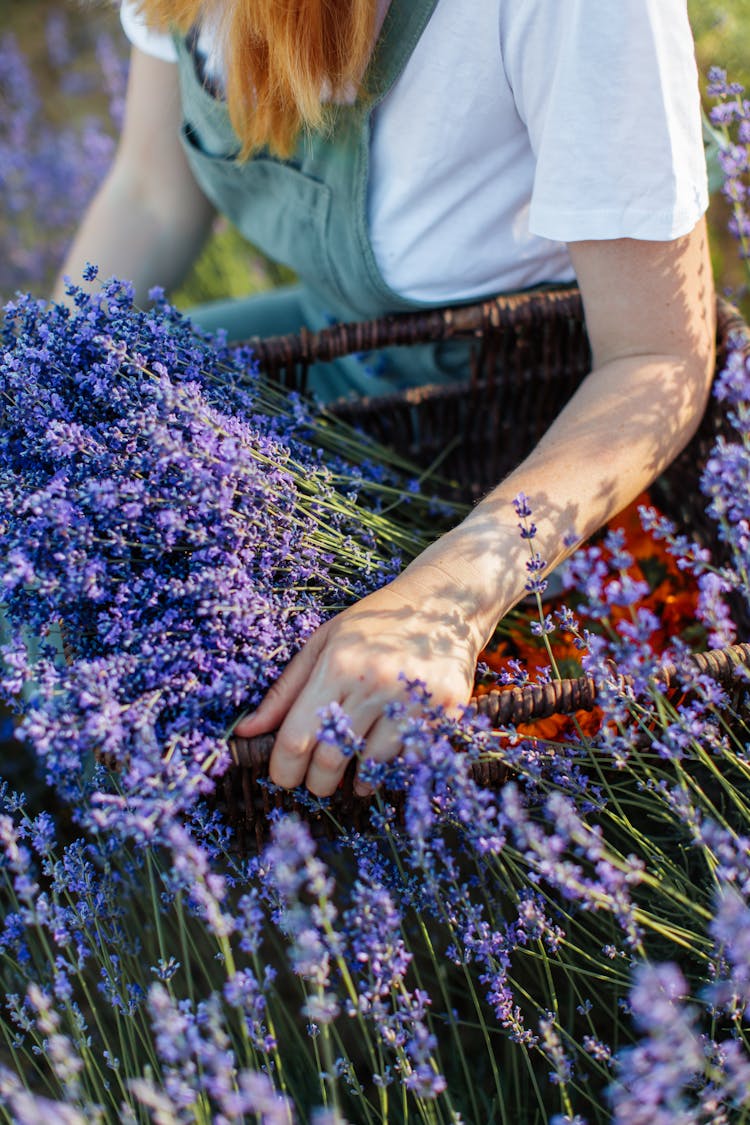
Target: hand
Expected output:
[358,659]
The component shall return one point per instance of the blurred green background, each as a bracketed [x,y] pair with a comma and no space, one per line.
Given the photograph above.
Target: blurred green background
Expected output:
[228,266]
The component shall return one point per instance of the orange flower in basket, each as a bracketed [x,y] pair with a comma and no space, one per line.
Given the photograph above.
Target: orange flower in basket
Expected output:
[672,599]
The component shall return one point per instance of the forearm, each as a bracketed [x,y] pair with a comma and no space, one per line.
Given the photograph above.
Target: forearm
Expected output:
[130,236]
[650,313]
[626,423]
[149,218]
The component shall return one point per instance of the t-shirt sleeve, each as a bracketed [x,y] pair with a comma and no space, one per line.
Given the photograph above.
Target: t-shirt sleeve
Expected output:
[156,43]
[608,90]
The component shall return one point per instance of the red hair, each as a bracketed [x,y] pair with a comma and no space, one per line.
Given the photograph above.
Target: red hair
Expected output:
[283,59]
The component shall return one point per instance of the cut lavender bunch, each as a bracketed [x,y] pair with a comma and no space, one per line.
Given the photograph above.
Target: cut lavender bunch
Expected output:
[177,524]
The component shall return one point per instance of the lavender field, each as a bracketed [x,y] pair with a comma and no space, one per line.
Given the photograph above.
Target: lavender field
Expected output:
[570,947]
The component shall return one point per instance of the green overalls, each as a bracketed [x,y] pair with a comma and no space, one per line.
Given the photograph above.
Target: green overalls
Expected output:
[310,213]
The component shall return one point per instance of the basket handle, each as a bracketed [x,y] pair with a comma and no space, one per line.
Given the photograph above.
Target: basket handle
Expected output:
[538,701]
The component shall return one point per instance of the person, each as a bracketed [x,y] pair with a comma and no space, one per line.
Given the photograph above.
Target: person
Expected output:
[418,153]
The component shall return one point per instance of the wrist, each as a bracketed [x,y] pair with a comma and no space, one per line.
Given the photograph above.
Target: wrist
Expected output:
[467,572]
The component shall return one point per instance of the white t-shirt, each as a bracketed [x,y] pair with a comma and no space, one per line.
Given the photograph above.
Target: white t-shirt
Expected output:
[518,126]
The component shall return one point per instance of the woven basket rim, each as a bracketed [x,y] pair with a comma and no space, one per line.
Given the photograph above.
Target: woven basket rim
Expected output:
[459,321]
[527,703]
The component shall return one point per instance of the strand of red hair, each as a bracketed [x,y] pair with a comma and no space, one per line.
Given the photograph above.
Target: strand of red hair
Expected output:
[286,60]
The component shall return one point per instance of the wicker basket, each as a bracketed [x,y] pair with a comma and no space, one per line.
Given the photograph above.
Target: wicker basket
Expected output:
[531,353]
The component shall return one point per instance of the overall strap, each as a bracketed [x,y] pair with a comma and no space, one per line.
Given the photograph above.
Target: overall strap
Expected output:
[404,23]
[310,212]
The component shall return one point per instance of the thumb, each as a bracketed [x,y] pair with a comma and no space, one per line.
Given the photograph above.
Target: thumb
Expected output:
[272,709]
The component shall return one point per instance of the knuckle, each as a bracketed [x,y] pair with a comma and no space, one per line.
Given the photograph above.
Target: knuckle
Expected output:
[385,680]
[328,758]
[339,662]
[289,749]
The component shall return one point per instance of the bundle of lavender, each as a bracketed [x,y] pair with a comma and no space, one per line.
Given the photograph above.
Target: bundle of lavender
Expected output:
[178,523]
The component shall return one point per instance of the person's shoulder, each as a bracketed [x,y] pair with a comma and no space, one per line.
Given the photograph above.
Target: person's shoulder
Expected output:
[597,34]
[146,39]
[591,16]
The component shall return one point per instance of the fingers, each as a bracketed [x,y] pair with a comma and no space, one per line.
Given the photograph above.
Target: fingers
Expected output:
[384,739]
[300,757]
[280,697]
[383,744]
[355,661]
[326,768]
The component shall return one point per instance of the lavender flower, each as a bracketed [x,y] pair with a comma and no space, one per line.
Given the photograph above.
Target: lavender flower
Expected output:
[551,1044]
[732,116]
[730,929]
[185,538]
[48,170]
[655,1077]
[379,962]
[28,1108]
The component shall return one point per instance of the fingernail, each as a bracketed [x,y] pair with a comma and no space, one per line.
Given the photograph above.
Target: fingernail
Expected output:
[363,790]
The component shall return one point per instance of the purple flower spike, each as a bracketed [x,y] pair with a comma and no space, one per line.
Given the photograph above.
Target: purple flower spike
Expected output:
[163,515]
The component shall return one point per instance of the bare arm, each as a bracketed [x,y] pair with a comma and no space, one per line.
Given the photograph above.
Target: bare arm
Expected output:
[650,310]
[149,218]
[650,315]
